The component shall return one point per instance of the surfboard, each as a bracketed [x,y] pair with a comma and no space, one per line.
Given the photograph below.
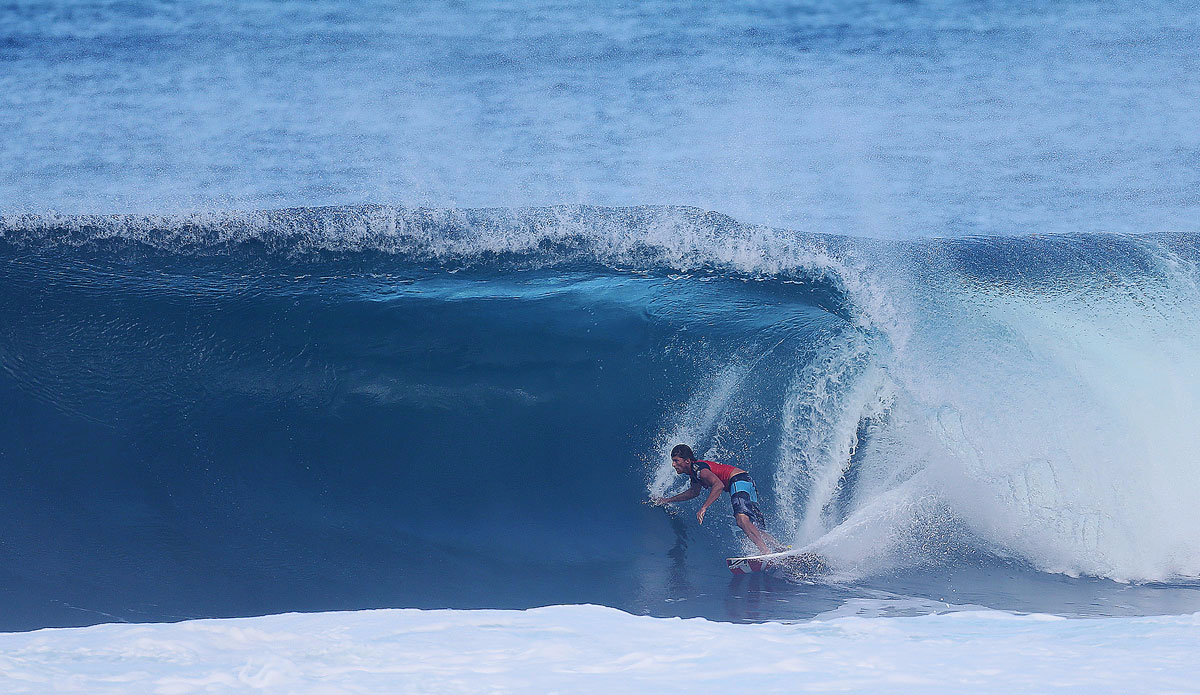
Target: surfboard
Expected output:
[788,562]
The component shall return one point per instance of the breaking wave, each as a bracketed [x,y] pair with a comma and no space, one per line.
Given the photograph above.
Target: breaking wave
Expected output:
[321,399]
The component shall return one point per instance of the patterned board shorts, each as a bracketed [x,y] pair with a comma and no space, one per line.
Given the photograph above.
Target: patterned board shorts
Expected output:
[744,498]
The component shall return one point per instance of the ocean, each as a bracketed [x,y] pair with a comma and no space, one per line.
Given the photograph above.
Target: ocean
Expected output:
[325,307]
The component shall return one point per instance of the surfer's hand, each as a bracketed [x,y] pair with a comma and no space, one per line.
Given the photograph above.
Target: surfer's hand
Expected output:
[658,501]
[700,515]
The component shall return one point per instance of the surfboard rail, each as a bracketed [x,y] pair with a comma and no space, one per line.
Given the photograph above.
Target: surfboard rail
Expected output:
[789,561]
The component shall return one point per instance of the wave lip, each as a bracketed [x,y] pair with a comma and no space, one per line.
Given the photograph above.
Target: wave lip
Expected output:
[435,232]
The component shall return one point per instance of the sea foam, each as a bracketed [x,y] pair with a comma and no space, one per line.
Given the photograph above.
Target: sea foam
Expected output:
[591,649]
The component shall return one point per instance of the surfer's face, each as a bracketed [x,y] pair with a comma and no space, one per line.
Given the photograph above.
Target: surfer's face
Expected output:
[679,464]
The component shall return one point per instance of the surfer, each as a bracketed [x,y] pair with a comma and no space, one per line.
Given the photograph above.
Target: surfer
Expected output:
[720,477]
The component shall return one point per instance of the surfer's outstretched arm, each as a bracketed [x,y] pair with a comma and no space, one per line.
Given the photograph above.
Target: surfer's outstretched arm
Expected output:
[687,494]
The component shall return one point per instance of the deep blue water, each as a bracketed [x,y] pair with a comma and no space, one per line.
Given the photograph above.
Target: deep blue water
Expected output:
[328,305]
[321,409]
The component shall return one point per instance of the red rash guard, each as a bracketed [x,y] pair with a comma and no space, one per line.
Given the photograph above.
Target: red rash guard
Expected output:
[723,471]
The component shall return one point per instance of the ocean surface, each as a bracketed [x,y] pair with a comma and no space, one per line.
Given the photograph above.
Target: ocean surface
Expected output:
[328,306]
[862,117]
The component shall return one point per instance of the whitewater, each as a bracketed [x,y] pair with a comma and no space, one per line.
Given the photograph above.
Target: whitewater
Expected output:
[341,345]
[591,649]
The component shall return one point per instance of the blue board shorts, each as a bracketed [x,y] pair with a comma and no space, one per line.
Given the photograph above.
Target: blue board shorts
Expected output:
[744,498]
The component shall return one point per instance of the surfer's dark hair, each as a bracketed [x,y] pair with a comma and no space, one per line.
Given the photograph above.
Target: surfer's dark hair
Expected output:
[683,451]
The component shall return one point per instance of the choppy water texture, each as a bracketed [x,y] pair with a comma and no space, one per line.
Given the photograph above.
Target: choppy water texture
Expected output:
[857,117]
[328,305]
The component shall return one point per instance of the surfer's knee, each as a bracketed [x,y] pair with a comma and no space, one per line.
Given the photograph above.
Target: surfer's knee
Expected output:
[743,521]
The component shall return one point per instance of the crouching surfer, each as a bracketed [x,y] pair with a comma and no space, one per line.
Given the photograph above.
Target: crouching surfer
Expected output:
[719,477]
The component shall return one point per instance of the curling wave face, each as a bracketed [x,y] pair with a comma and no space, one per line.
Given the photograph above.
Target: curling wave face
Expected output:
[317,408]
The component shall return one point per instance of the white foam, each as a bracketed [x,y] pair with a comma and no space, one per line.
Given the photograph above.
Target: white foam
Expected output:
[591,649]
[1049,417]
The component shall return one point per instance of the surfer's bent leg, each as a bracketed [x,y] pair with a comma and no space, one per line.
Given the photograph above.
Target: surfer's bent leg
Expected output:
[747,514]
